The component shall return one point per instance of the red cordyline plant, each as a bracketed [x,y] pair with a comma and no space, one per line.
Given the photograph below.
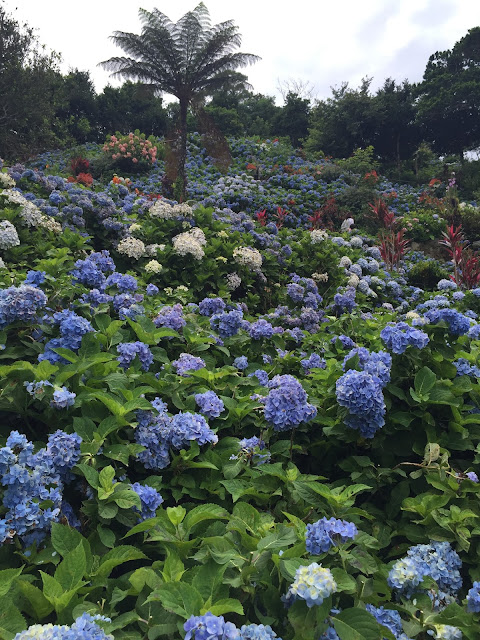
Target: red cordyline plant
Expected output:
[466,265]
[327,217]
[280,216]
[393,246]
[383,214]
[262,217]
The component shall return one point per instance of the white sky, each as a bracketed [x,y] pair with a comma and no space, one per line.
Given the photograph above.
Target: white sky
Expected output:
[322,42]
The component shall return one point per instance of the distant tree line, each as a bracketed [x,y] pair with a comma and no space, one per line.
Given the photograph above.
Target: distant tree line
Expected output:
[41,108]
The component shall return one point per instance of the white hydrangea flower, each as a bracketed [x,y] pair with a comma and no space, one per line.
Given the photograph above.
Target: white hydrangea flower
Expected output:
[2,264]
[345,262]
[151,249]
[6,181]
[190,243]
[166,211]
[320,277]
[153,267]
[356,242]
[8,235]
[233,281]
[353,281]
[412,315]
[318,235]
[135,227]
[248,257]
[131,247]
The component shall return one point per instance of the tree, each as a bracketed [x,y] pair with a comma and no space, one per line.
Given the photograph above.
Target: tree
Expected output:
[189,59]
[293,119]
[449,97]
[29,91]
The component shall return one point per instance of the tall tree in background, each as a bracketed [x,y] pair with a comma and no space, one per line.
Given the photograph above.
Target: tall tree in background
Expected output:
[189,59]
[293,119]
[29,88]
[449,97]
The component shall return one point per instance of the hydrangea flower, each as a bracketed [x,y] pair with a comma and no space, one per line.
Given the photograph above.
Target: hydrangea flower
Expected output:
[257,632]
[210,404]
[286,404]
[84,628]
[227,324]
[473,598]
[187,362]
[63,398]
[150,499]
[20,304]
[171,317]
[323,534]
[8,235]
[313,583]
[211,306]
[241,363]
[446,632]
[260,329]
[361,393]
[210,627]
[128,350]
[397,337]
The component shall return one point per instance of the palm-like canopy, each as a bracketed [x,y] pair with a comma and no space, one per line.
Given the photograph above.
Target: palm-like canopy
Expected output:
[189,59]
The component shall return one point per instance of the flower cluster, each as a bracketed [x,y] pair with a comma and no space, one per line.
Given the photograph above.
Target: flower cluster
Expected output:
[63,398]
[318,235]
[313,583]
[210,404]
[190,243]
[20,304]
[8,235]
[437,560]
[133,147]
[397,337]
[157,433]
[258,632]
[473,598]
[233,281]
[187,362]
[84,628]
[446,632]
[32,481]
[388,618]
[248,257]
[286,404]
[228,323]
[72,328]
[171,317]
[128,350]
[131,247]
[250,449]
[211,306]
[457,323]
[150,500]
[324,533]
[167,211]
[210,627]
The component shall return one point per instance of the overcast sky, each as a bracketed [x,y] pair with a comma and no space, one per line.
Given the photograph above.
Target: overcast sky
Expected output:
[320,42]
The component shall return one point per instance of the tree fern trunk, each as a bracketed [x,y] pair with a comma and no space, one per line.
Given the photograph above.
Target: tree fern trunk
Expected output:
[181,184]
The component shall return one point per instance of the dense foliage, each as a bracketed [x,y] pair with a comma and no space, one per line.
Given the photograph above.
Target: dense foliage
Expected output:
[231,417]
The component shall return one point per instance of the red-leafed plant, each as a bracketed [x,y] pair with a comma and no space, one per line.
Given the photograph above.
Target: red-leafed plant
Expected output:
[393,246]
[328,216]
[466,265]
[262,217]
[79,165]
[383,214]
[280,216]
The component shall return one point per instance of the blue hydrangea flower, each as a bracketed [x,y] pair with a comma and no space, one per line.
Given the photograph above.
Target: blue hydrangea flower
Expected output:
[457,323]
[63,398]
[35,278]
[286,404]
[473,598]
[211,306]
[361,393]
[210,627]
[397,337]
[128,350]
[150,499]
[241,363]
[152,289]
[446,632]
[187,362]
[389,618]
[260,329]
[210,404]
[257,631]
[84,628]
[324,533]
[171,317]
[227,324]
[20,304]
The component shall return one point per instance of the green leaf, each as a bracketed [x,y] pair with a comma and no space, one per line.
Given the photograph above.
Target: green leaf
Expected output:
[106,478]
[40,605]
[247,516]
[11,620]
[424,380]
[344,581]
[7,576]
[116,557]
[65,538]
[280,539]
[227,605]
[176,515]
[173,569]
[178,597]
[357,624]
[90,474]
[207,511]
[208,579]
[107,536]
[71,570]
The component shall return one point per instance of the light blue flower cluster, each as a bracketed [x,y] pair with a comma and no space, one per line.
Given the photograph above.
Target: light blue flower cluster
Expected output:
[344,302]
[187,362]
[35,278]
[210,404]
[464,368]
[361,393]
[397,337]
[34,480]
[314,361]
[227,324]
[250,449]
[157,433]
[437,560]
[20,304]
[84,628]
[326,533]
[313,583]
[388,618]
[286,404]
[446,632]
[128,350]
[72,328]
[458,324]
[37,388]
[473,598]
[90,272]
[171,317]
[241,363]
[63,398]
[210,627]
[260,329]
[257,632]
[122,281]
[211,306]
[446,285]
[150,499]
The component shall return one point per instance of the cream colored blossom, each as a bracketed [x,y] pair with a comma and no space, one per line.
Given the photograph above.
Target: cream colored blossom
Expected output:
[248,257]
[353,281]
[190,243]
[6,181]
[320,277]
[131,247]
[166,211]
[153,266]
[345,262]
[318,235]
